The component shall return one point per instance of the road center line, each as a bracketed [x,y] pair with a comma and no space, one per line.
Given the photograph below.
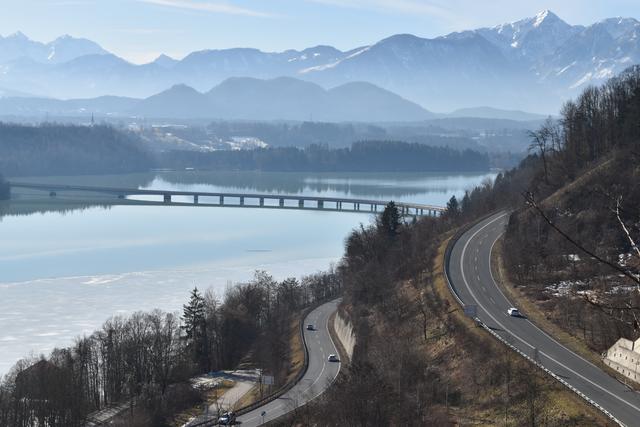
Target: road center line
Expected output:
[464,279]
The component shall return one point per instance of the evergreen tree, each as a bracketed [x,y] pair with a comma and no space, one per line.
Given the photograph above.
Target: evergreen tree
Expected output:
[195,327]
[465,205]
[389,221]
[453,208]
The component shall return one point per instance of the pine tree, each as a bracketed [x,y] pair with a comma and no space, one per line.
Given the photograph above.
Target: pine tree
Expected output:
[453,207]
[195,327]
[465,205]
[389,221]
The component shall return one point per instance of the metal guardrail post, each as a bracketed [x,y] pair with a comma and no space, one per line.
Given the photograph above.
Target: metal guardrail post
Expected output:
[538,364]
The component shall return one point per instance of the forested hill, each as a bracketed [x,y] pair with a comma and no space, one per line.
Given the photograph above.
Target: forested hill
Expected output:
[76,150]
[53,149]
[366,156]
[571,243]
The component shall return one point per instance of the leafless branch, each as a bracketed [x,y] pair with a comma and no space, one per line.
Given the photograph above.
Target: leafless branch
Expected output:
[530,199]
[634,246]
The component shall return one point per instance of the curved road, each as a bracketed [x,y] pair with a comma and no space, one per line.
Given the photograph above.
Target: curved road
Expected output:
[319,376]
[471,277]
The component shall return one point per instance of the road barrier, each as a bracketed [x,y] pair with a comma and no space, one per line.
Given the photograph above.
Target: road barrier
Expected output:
[284,388]
[447,256]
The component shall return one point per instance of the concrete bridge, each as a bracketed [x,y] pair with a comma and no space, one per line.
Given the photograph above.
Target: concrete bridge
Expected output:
[246,200]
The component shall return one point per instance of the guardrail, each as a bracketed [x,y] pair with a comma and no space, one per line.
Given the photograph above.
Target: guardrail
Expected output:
[286,387]
[562,381]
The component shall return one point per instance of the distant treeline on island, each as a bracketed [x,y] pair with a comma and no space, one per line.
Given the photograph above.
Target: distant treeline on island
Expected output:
[365,156]
[53,149]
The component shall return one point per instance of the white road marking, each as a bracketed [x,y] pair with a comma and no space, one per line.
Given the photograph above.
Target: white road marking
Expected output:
[529,321]
[464,279]
[324,365]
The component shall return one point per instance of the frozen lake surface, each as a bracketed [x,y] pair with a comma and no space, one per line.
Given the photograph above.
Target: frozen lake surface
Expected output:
[64,272]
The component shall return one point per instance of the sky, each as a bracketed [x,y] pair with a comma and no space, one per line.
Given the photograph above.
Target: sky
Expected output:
[140,30]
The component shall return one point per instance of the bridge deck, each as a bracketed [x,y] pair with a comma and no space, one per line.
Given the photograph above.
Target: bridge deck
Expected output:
[419,209]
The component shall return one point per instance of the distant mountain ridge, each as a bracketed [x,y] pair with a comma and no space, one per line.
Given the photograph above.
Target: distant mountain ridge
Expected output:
[533,64]
[240,98]
[17,46]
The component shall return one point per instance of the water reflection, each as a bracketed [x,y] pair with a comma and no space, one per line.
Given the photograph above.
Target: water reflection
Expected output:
[68,263]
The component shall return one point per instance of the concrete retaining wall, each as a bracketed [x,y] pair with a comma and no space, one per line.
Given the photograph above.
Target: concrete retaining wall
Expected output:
[624,357]
[344,331]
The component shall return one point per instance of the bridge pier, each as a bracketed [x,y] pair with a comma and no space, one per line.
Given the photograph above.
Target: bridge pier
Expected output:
[352,205]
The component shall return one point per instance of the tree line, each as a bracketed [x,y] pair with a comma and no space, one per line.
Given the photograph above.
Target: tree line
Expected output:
[146,359]
[415,362]
[53,149]
[5,190]
[571,243]
[365,156]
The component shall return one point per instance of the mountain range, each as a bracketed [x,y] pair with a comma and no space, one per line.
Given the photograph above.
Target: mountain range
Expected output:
[238,98]
[534,64]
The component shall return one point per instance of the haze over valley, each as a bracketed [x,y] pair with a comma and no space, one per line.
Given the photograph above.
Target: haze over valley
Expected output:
[319,213]
[542,60]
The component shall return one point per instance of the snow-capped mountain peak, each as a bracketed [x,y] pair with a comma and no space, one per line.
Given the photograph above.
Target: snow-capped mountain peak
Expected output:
[545,16]
[530,38]
[18,46]
[67,48]
[542,59]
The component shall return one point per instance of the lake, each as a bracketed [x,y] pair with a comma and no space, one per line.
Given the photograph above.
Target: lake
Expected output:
[68,266]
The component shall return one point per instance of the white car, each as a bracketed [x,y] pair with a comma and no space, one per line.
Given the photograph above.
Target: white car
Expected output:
[333,358]
[514,312]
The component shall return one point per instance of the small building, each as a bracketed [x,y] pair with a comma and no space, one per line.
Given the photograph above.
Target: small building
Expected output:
[624,357]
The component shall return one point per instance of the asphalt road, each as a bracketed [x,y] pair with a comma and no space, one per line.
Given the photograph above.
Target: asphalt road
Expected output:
[470,275]
[320,374]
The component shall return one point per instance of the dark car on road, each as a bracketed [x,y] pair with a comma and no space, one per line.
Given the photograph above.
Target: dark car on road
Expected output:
[227,419]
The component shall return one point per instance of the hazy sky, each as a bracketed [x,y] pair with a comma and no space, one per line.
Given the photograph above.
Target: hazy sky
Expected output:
[139,30]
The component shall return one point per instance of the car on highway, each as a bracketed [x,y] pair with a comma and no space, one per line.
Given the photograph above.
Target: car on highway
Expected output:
[227,419]
[333,358]
[514,312]
[310,327]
